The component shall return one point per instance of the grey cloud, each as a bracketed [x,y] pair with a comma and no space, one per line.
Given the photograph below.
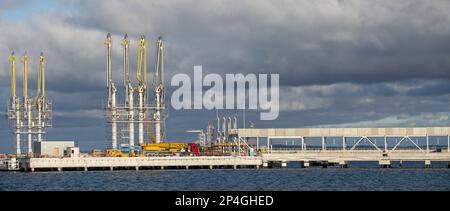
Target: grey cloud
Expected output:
[340,62]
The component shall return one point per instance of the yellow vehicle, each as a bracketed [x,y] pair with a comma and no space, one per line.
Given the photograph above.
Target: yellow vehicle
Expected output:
[172,147]
[115,153]
[163,148]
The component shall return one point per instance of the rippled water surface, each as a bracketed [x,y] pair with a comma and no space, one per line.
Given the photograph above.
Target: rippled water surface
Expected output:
[354,178]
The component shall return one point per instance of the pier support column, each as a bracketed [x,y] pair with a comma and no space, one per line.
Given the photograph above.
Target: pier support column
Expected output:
[401,163]
[257,166]
[162,167]
[210,167]
[85,168]
[343,164]
[306,164]
[266,164]
[187,167]
[59,169]
[234,166]
[111,168]
[283,164]
[427,163]
[384,163]
[137,168]
[32,169]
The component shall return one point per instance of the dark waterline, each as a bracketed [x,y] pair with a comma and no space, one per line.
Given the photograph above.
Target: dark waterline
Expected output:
[366,178]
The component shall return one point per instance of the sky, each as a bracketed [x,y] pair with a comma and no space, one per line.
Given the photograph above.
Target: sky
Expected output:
[342,63]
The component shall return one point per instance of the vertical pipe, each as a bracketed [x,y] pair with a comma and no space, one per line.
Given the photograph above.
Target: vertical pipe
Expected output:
[39,121]
[323,143]
[126,66]
[112,91]
[30,126]
[158,87]
[141,115]
[218,129]
[303,143]
[448,143]
[385,144]
[158,118]
[343,143]
[239,145]
[131,116]
[15,101]
[257,143]
[113,118]
[224,129]
[40,96]
[27,103]
[268,144]
[229,124]
[18,151]
[108,43]
[235,122]
[428,146]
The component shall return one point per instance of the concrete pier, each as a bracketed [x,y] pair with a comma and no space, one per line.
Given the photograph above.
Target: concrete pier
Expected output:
[137,163]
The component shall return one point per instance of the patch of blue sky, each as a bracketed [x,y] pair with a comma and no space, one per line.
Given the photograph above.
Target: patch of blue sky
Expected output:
[25,9]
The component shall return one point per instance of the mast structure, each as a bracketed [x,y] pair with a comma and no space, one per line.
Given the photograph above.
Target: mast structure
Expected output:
[35,113]
[134,110]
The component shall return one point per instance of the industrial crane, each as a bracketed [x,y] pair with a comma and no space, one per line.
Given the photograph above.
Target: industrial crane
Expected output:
[141,76]
[23,111]
[15,102]
[136,97]
[158,88]
[112,91]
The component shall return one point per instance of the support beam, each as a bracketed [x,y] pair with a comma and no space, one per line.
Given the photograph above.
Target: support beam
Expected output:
[344,146]
[323,143]
[257,143]
[303,143]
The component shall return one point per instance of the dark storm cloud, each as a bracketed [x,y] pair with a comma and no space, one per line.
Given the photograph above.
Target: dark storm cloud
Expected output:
[435,89]
[346,41]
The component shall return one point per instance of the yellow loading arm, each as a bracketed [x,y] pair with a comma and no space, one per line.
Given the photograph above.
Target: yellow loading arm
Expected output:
[12,61]
[41,78]
[158,76]
[24,61]
[141,67]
